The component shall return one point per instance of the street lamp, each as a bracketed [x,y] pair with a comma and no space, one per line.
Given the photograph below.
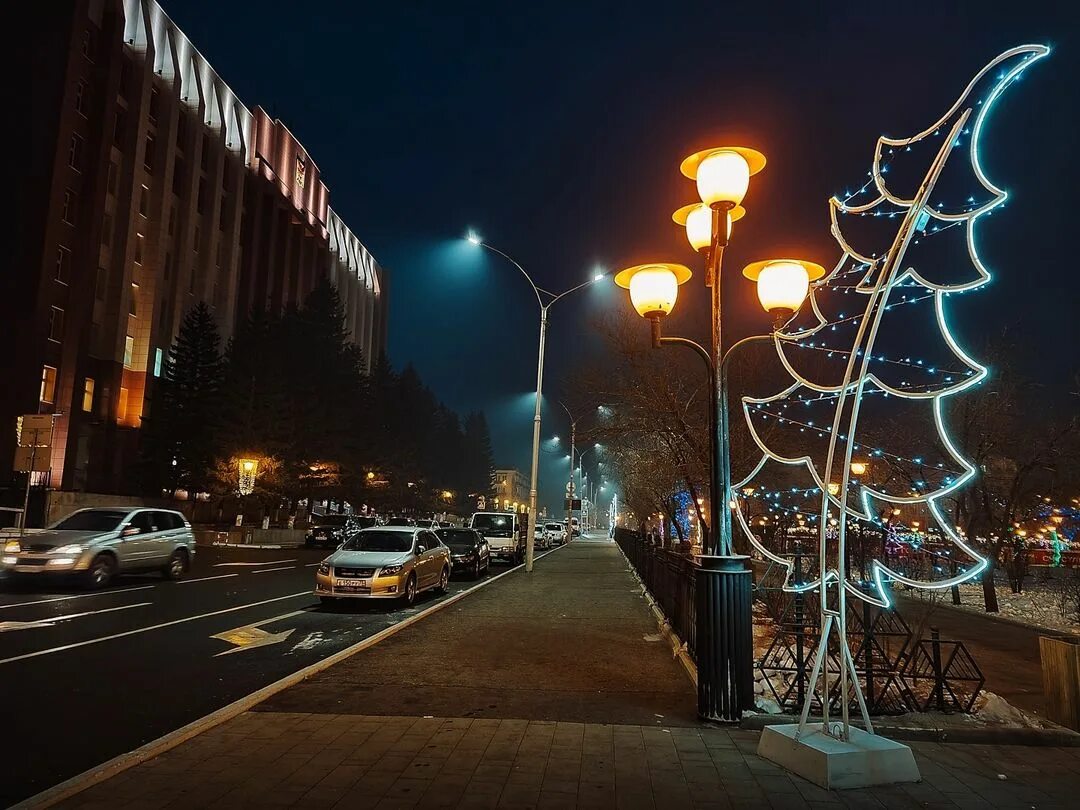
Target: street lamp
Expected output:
[724,647]
[247,469]
[545,299]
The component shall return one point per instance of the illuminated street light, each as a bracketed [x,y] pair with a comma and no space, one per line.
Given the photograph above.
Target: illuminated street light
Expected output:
[697,218]
[858,468]
[247,471]
[783,284]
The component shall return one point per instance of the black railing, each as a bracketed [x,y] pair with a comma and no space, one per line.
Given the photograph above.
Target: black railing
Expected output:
[669,577]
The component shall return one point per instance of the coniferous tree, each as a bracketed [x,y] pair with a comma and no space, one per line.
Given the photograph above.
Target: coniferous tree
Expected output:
[478,460]
[179,440]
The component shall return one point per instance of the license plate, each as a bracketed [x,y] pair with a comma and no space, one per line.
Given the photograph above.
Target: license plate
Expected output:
[353,583]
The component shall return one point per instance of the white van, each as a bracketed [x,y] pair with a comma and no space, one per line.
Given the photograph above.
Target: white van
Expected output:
[505,533]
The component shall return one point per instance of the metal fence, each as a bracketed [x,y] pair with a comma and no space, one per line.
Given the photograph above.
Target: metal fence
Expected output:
[669,576]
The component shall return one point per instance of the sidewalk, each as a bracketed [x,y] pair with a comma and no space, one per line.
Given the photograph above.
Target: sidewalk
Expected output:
[541,691]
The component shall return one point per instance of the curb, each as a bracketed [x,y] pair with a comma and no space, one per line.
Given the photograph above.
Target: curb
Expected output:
[678,646]
[121,763]
[1056,632]
[1058,738]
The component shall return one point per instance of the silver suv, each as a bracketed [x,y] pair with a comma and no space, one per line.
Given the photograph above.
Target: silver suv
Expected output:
[99,543]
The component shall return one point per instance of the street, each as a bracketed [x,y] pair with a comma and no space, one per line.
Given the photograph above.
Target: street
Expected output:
[90,675]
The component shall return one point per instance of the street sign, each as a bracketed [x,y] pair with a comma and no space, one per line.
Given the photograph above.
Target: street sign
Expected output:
[31,459]
[573,503]
[37,422]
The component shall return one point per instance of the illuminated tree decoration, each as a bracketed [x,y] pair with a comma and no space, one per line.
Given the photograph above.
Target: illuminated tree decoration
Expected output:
[862,361]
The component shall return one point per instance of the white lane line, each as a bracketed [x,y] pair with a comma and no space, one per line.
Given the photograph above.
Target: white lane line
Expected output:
[268,570]
[6,627]
[205,579]
[52,650]
[264,562]
[76,596]
[312,565]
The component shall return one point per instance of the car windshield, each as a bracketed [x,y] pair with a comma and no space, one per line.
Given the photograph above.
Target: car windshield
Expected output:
[92,520]
[375,540]
[554,527]
[400,521]
[493,523]
[457,538]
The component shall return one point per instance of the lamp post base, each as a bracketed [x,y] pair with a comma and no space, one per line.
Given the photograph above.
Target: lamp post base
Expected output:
[725,643]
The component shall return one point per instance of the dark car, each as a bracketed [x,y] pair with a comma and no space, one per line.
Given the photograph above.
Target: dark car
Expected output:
[397,520]
[468,550]
[330,531]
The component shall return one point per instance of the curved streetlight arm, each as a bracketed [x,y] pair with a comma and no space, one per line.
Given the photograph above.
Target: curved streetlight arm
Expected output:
[565,293]
[536,290]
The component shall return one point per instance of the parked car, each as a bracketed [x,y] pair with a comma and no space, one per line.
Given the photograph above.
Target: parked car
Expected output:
[99,543]
[504,532]
[555,533]
[469,550]
[326,531]
[396,520]
[540,538]
[385,562]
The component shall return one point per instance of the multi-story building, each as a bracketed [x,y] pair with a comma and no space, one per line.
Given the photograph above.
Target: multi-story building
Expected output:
[511,487]
[148,187]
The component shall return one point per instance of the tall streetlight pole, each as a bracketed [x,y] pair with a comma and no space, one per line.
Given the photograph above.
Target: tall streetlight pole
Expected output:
[545,305]
[724,579]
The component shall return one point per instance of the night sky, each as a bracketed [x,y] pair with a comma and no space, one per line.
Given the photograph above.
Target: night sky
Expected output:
[556,130]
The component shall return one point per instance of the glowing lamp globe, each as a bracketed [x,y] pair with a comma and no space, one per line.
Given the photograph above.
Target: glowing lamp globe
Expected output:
[723,174]
[858,468]
[782,284]
[654,288]
[697,219]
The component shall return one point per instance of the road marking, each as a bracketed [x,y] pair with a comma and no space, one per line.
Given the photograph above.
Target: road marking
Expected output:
[204,579]
[6,627]
[264,562]
[52,650]
[312,565]
[76,596]
[250,636]
[268,570]
[118,764]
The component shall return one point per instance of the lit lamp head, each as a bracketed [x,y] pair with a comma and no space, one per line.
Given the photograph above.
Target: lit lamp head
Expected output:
[248,469]
[782,285]
[834,488]
[697,219]
[654,288]
[858,468]
[723,173]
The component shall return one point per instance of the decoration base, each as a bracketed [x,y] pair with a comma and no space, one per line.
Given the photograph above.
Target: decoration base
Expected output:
[863,761]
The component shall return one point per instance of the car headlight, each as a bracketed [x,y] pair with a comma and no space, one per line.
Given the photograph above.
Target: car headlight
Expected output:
[324,568]
[74,548]
[12,547]
[390,570]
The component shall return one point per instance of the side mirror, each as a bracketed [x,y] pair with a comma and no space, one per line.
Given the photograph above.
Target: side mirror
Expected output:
[420,550]
[129,531]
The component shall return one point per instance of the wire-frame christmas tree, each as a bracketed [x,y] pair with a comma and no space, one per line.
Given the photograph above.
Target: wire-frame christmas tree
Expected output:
[889,276]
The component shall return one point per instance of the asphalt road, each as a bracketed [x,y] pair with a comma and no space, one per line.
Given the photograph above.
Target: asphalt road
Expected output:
[88,675]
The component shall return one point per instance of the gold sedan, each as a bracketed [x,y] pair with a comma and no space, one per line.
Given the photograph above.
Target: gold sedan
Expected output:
[385,562]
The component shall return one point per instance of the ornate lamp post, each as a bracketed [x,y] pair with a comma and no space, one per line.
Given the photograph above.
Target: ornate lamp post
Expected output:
[724,637]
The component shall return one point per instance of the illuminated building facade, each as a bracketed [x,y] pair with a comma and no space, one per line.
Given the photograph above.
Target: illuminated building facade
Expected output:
[511,488]
[149,187]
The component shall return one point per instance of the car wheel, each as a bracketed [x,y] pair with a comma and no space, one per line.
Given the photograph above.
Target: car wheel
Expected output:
[444,581]
[101,571]
[410,591]
[476,569]
[176,566]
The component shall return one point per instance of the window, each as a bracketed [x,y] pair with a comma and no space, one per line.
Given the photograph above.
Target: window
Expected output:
[82,97]
[181,131]
[56,324]
[157,362]
[155,105]
[119,125]
[179,172]
[63,263]
[88,395]
[200,199]
[163,315]
[132,308]
[106,229]
[148,155]
[75,153]
[138,248]
[144,201]
[121,406]
[100,282]
[71,201]
[129,354]
[111,182]
[221,250]
[204,158]
[48,384]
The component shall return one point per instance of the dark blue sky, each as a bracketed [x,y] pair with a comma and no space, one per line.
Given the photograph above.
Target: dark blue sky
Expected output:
[556,129]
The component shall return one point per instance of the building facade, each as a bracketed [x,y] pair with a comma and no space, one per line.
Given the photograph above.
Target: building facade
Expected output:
[147,187]
[511,487]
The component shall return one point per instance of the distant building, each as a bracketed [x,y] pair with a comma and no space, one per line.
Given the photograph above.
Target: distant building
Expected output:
[149,187]
[511,487]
